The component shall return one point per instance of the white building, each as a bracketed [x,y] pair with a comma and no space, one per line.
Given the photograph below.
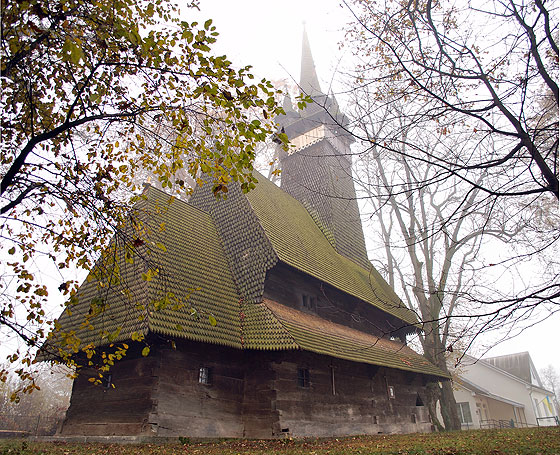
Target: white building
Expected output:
[503,391]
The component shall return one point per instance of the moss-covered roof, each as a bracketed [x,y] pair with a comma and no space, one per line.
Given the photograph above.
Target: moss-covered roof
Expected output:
[193,285]
[198,298]
[312,333]
[299,243]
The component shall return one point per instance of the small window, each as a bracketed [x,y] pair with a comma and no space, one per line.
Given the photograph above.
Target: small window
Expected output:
[419,401]
[391,392]
[308,301]
[333,385]
[107,381]
[464,411]
[205,375]
[303,377]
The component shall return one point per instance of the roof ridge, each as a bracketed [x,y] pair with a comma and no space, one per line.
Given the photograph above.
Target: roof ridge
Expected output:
[150,187]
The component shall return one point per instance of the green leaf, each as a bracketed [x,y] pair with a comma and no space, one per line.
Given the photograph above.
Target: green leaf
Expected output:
[129,257]
[188,35]
[207,24]
[145,351]
[72,52]
[148,276]
[212,320]
[137,336]
[12,250]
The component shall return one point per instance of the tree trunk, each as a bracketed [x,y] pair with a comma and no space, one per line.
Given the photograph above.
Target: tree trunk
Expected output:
[432,392]
[442,392]
[449,407]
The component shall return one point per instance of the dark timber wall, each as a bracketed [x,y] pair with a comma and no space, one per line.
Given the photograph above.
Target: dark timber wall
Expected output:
[287,286]
[120,411]
[360,403]
[186,407]
[252,394]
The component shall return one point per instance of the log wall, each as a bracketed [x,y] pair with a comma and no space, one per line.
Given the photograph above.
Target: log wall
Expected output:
[123,410]
[359,404]
[252,394]
[287,286]
[185,407]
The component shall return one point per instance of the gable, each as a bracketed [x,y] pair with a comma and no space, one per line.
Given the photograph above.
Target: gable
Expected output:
[519,365]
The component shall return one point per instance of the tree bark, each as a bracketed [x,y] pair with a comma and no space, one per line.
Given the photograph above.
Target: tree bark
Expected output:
[440,392]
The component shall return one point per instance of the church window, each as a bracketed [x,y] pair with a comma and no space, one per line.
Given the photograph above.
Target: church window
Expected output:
[107,381]
[464,411]
[303,377]
[205,375]
[391,392]
[308,301]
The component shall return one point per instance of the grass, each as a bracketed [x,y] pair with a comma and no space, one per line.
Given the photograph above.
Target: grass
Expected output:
[527,441]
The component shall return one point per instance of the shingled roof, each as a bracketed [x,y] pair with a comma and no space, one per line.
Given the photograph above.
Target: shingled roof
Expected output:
[198,299]
[312,333]
[193,283]
[298,241]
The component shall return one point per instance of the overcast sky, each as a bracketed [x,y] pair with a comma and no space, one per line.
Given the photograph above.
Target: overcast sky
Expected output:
[268,35]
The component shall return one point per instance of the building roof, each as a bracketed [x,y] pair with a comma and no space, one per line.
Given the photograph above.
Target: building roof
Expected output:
[194,295]
[472,361]
[518,364]
[298,242]
[193,274]
[323,110]
[312,333]
[308,82]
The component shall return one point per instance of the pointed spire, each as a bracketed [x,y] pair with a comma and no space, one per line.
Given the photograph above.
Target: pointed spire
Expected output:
[308,80]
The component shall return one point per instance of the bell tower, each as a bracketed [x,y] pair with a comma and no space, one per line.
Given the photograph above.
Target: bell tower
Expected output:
[317,169]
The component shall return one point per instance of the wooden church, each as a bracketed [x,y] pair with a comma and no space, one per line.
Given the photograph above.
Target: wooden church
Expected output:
[266,318]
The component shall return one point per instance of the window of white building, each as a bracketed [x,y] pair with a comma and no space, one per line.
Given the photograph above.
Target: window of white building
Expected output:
[464,411]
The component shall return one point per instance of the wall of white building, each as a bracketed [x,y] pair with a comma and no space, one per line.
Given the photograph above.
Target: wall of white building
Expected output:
[505,385]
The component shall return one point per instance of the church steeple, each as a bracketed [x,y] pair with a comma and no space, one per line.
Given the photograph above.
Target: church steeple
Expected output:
[317,169]
[308,80]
